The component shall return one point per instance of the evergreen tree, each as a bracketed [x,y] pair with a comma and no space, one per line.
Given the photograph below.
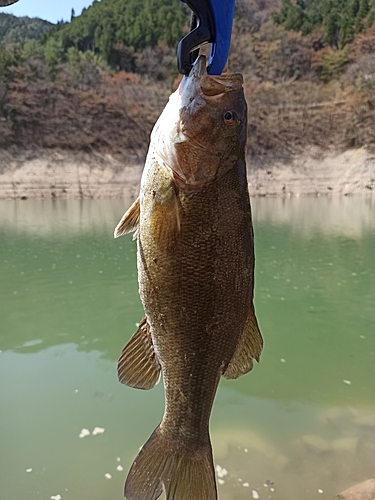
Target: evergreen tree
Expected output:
[338,19]
[346,30]
[331,28]
[295,19]
[361,15]
[20,29]
[131,22]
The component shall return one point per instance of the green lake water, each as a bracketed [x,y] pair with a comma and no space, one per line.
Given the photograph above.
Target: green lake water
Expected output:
[301,426]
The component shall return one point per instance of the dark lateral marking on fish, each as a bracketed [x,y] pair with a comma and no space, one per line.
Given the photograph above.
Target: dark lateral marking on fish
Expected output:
[249,347]
[129,221]
[138,365]
[184,474]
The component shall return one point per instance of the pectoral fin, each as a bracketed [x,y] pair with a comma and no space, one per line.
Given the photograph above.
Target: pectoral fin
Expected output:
[164,214]
[248,348]
[129,221]
[138,365]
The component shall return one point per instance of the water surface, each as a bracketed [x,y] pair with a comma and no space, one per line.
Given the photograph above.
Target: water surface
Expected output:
[300,426]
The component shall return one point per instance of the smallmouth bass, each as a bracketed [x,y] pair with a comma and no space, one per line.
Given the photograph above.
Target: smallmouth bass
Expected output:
[195,259]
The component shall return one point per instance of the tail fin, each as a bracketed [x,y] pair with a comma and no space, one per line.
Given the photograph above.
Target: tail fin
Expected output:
[162,465]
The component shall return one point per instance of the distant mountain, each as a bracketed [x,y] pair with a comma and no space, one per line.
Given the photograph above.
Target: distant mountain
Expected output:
[20,29]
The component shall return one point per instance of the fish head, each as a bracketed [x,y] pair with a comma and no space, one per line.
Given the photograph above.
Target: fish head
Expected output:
[202,132]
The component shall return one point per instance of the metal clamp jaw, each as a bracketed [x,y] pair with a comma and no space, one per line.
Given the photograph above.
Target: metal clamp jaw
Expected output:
[214,26]
[5,3]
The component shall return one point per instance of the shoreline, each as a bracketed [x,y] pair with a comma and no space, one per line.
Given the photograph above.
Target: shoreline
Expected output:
[53,174]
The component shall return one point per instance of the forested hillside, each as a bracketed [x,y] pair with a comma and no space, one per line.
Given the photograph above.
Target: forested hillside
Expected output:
[100,81]
[20,29]
[109,25]
[338,20]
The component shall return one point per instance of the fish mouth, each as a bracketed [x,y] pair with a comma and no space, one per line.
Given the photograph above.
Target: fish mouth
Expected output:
[199,68]
[200,82]
[190,85]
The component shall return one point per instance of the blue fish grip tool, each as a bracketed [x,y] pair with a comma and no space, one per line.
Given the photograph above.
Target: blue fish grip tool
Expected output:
[213,24]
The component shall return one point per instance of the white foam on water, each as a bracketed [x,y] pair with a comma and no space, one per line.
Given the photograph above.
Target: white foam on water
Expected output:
[221,471]
[98,430]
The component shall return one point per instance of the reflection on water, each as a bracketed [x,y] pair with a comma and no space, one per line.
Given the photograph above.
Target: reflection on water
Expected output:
[333,216]
[46,217]
[301,426]
[341,216]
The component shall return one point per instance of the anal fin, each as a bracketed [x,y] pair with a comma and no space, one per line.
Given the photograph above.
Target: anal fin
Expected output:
[129,221]
[249,347]
[138,365]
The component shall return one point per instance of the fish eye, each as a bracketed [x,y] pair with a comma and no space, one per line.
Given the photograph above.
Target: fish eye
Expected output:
[229,117]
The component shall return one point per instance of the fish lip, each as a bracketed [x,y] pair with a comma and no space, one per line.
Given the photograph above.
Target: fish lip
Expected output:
[190,85]
[199,67]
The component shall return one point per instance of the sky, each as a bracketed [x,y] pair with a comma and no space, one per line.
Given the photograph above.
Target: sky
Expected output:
[51,10]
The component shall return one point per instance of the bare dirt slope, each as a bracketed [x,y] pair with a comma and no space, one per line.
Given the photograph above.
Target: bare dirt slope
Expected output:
[72,175]
[67,175]
[349,172]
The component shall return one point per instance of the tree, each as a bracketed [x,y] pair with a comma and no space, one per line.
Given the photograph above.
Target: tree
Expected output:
[20,29]
[132,23]
[361,15]
[339,19]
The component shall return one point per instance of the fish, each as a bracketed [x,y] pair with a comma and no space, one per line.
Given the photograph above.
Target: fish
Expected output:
[195,260]
[5,3]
